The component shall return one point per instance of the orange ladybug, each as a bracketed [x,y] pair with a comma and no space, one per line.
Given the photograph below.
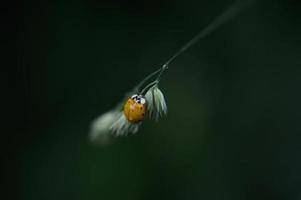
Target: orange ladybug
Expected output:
[134,109]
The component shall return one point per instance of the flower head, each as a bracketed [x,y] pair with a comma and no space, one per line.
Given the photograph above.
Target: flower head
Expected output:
[100,127]
[121,121]
[156,105]
[122,126]
[130,112]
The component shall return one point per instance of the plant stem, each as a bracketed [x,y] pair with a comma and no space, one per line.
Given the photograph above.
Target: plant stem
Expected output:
[148,86]
[232,11]
[217,22]
[137,88]
[163,68]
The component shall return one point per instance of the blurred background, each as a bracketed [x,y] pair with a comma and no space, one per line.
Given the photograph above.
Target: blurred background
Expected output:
[233,128]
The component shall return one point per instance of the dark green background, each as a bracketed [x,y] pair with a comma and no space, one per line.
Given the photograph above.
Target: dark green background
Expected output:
[233,128]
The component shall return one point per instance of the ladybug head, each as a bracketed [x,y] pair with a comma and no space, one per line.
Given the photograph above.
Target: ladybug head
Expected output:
[138,99]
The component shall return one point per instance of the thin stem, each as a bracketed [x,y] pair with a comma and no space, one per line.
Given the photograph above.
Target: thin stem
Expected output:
[164,67]
[217,22]
[137,88]
[148,86]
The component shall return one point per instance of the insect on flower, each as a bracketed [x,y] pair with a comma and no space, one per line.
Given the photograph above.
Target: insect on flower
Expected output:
[135,109]
[146,100]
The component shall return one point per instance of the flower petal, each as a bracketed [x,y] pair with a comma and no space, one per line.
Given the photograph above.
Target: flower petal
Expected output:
[156,103]
[122,126]
[101,126]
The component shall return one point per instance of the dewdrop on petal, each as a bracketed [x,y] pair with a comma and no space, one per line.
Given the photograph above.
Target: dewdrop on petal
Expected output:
[156,104]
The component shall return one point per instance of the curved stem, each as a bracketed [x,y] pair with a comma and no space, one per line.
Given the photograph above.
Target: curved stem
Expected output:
[147,78]
[148,86]
[164,67]
[216,23]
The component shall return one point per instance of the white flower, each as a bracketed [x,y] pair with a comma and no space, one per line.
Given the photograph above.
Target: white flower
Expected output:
[100,127]
[113,122]
[156,105]
[122,126]
[116,123]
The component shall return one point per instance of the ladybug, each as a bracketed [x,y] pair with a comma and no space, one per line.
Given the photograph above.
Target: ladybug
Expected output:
[134,108]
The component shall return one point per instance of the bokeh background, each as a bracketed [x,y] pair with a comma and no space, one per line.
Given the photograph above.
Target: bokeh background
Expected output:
[233,129]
